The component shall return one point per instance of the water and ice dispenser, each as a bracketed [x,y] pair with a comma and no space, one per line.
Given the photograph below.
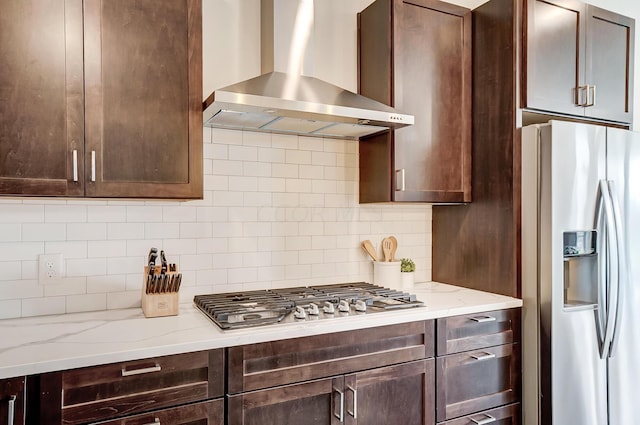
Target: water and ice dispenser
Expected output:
[580,269]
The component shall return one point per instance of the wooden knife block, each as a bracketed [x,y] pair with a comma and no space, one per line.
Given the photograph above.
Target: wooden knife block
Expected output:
[158,305]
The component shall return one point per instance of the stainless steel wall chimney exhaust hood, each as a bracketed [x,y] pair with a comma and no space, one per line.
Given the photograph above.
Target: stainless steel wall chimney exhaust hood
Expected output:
[296,104]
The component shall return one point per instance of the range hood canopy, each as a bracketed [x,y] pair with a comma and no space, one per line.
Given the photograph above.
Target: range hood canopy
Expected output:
[293,103]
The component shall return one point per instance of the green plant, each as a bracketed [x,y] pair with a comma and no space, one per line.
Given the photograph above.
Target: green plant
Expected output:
[407,265]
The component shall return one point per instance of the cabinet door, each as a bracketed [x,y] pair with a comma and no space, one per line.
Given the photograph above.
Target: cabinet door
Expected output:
[432,80]
[555,49]
[143,82]
[477,380]
[402,394]
[203,413]
[416,56]
[12,401]
[41,97]
[318,402]
[507,415]
[609,60]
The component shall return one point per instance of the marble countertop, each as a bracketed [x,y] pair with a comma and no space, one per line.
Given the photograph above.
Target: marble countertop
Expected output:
[52,343]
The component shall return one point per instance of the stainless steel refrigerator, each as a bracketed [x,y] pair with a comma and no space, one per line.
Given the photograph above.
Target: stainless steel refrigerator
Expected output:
[581,274]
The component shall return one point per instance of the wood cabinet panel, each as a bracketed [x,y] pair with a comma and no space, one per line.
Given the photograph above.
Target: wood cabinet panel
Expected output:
[143,82]
[203,413]
[282,362]
[12,401]
[315,403]
[507,415]
[477,380]
[41,96]
[400,394]
[473,331]
[429,161]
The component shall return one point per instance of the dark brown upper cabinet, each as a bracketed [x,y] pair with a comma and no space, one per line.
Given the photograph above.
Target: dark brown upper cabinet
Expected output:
[579,60]
[416,57]
[103,98]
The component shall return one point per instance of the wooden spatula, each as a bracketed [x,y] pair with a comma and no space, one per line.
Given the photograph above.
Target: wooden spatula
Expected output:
[367,246]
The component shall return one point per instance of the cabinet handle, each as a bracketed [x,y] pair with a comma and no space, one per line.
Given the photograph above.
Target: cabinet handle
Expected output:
[591,95]
[340,416]
[151,369]
[489,419]
[354,412]
[155,422]
[483,319]
[75,165]
[580,90]
[93,166]
[400,186]
[11,409]
[483,356]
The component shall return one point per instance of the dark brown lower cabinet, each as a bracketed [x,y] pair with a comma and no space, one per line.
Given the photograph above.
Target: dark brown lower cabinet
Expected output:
[506,415]
[402,394]
[204,413]
[12,401]
[477,380]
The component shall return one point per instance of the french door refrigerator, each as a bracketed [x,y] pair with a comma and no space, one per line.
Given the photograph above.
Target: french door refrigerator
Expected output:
[581,274]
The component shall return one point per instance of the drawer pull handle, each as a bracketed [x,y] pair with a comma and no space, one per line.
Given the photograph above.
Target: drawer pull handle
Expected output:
[155,422]
[93,166]
[353,413]
[75,165]
[151,369]
[341,415]
[483,319]
[484,356]
[489,419]
[11,409]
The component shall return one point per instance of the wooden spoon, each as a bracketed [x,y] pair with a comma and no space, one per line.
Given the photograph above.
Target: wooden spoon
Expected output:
[394,247]
[367,246]
[386,249]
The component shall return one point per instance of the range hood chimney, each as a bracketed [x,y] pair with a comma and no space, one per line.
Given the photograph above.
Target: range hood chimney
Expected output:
[292,103]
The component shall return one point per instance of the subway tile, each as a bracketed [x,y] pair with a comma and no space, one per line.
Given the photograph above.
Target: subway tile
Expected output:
[297,271]
[211,277]
[266,274]
[323,186]
[311,256]
[256,229]
[69,249]
[227,230]
[29,270]
[214,182]
[324,158]
[44,232]
[323,242]
[65,213]
[196,230]
[229,137]
[86,302]
[43,306]
[124,299]
[271,243]
[141,247]
[212,245]
[285,228]
[243,153]
[123,265]
[86,231]
[10,270]
[86,267]
[17,289]
[242,275]
[10,309]
[314,228]
[106,214]
[98,249]
[284,141]
[143,214]
[256,169]
[284,170]
[254,138]
[297,243]
[22,213]
[207,133]
[310,143]
[243,214]
[256,259]
[176,247]
[243,184]
[244,244]
[297,157]
[68,286]
[311,200]
[312,172]
[215,151]
[10,232]
[298,186]
[108,283]
[286,199]
[161,230]
[196,262]
[18,251]
[179,214]
[207,167]
[272,184]
[271,155]
[227,260]
[212,214]
[228,199]
[257,199]
[227,168]
[125,230]
[284,258]
[334,145]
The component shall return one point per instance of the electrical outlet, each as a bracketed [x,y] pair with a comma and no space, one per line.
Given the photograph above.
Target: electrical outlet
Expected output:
[50,268]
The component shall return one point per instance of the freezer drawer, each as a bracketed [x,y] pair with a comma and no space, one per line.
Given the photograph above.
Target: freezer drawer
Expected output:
[477,380]
[506,415]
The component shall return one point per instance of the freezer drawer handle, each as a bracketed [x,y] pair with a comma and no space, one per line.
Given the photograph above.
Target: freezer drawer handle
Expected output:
[11,409]
[483,356]
[93,166]
[340,416]
[75,165]
[489,419]
[400,182]
[483,319]
[151,369]
[155,422]
[354,412]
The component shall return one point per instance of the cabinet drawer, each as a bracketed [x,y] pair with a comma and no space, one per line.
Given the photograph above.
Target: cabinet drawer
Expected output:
[206,413]
[110,391]
[12,401]
[473,331]
[507,415]
[270,364]
[477,380]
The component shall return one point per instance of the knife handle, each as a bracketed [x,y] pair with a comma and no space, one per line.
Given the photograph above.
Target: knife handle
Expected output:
[163,261]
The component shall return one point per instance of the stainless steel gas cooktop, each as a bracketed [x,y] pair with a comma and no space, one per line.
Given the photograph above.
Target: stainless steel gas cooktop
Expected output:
[255,308]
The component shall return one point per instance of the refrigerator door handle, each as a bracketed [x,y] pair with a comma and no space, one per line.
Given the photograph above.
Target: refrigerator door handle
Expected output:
[610,289]
[621,267]
[600,226]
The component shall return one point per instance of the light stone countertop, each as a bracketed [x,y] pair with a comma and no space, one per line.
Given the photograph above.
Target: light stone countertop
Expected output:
[52,343]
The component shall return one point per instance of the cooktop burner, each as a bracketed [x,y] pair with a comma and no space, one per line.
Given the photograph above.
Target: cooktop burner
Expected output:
[255,308]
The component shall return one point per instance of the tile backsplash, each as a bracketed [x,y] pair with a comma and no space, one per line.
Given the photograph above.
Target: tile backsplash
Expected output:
[277,211]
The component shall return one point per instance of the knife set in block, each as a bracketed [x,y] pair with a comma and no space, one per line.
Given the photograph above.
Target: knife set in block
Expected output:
[160,288]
